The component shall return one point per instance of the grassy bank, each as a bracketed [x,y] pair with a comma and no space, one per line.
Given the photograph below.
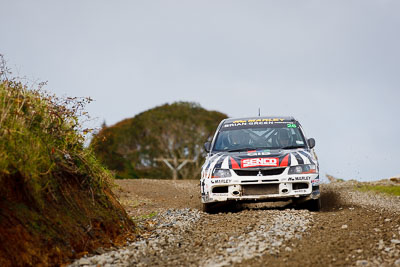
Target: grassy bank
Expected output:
[55,197]
[393,190]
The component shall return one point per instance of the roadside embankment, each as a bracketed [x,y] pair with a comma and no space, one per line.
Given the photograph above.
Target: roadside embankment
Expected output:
[55,198]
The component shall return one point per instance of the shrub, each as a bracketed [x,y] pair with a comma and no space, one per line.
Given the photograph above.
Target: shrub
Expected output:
[41,137]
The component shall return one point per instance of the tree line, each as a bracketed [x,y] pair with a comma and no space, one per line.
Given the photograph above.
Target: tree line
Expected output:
[163,142]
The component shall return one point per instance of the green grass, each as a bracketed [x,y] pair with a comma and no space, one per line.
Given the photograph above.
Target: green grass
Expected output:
[41,138]
[54,194]
[145,216]
[393,190]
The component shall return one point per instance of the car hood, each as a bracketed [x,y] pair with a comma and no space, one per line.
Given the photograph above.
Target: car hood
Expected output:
[259,159]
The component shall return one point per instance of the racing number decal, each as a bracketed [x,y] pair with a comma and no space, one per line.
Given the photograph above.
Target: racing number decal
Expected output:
[291,125]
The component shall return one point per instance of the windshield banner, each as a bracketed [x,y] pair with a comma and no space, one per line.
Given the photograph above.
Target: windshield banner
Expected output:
[255,123]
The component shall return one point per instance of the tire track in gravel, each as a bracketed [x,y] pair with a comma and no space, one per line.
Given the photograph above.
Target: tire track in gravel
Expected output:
[353,230]
[266,232]
[186,237]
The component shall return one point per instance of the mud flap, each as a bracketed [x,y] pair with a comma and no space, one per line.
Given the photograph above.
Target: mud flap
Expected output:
[308,203]
[315,194]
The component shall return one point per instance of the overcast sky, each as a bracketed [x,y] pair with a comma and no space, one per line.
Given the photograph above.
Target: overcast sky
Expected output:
[333,65]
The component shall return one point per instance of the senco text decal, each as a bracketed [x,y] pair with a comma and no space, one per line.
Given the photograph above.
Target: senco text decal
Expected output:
[254,162]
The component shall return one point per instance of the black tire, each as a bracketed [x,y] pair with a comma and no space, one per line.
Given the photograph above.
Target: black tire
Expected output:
[314,204]
[209,207]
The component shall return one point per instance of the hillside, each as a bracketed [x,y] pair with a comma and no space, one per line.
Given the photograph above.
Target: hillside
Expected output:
[55,198]
[135,147]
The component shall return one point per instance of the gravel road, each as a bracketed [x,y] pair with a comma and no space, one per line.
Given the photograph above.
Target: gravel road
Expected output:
[353,229]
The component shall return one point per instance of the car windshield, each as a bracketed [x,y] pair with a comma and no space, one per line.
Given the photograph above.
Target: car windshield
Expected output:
[253,138]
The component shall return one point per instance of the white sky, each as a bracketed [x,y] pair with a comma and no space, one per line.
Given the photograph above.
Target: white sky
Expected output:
[334,65]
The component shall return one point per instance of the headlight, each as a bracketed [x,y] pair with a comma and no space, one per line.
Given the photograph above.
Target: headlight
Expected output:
[221,173]
[301,169]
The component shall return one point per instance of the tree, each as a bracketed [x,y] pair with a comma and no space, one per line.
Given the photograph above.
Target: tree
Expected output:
[137,147]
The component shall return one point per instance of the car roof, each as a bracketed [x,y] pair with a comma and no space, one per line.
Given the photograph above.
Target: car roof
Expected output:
[284,118]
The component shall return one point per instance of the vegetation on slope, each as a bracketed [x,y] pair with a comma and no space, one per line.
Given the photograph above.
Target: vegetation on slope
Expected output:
[393,190]
[133,147]
[55,201]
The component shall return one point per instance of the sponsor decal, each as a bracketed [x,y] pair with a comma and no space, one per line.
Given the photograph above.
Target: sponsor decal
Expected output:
[258,153]
[220,194]
[301,178]
[315,182]
[261,123]
[267,162]
[254,122]
[300,191]
[259,120]
[221,181]
[234,124]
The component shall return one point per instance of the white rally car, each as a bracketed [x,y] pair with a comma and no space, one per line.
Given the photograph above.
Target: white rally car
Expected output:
[260,159]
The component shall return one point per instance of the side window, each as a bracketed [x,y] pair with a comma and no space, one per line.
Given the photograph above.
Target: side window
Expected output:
[297,138]
[218,142]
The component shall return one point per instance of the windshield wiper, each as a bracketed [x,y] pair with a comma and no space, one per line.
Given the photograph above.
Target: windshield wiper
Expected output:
[291,147]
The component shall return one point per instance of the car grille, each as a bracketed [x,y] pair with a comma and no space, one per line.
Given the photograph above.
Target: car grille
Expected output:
[299,186]
[260,189]
[264,172]
[220,189]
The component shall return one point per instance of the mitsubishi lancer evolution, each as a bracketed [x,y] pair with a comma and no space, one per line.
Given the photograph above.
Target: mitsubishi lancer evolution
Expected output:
[260,159]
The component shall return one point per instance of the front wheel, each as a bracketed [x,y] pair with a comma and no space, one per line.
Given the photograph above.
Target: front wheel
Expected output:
[314,204]
[209,207]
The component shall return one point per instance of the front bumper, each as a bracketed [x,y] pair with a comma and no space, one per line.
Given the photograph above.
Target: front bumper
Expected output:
[260,189]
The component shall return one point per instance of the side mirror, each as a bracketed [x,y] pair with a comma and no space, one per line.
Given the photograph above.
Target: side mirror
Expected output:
[207,146]
[311,142]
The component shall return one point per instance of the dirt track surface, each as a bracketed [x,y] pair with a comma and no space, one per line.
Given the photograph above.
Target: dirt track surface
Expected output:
[353,229]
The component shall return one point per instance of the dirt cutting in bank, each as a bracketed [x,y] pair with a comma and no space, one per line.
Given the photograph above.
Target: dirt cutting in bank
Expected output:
[353,229]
